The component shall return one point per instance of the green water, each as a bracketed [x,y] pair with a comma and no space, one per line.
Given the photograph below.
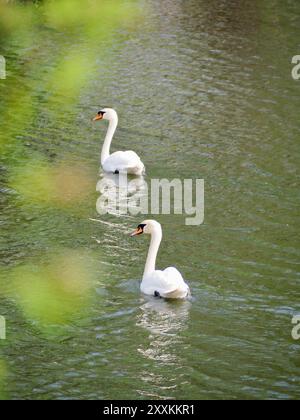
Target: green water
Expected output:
[203,90]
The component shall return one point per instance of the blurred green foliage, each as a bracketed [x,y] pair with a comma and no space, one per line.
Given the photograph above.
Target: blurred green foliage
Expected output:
[52,48]
[76,28]
[56,291]
[62,185]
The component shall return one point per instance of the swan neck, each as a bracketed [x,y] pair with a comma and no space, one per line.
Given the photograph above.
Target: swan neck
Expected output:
[108,139]
[156,238]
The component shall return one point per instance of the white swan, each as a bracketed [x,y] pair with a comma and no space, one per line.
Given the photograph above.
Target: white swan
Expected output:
[117,162]
[168,283]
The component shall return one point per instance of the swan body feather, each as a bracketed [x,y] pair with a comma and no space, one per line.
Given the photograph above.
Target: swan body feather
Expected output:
[168,283]
[118,162]
[128,162]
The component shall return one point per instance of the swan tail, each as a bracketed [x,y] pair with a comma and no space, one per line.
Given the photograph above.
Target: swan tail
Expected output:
[135,170]
[176,294]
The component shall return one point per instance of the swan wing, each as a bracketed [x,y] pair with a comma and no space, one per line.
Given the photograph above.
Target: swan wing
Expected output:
[127,161]
[168,283]
[181,289]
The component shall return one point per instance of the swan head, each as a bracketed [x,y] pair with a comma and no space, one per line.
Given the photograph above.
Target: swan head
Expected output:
[148,227]
[106,114]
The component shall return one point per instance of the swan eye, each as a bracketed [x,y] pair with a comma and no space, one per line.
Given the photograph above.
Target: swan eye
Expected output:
[99,116]
[141,228]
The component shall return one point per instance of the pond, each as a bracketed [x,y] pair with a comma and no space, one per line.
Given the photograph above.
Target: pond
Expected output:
[203,90]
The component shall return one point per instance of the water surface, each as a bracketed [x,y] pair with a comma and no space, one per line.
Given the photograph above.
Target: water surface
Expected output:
[203,90]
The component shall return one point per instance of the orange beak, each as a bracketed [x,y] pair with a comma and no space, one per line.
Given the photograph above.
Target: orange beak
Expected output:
[98,117]
[137,232]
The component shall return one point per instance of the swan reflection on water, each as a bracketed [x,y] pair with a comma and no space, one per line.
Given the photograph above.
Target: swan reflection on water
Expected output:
[121,195]
[164,320]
